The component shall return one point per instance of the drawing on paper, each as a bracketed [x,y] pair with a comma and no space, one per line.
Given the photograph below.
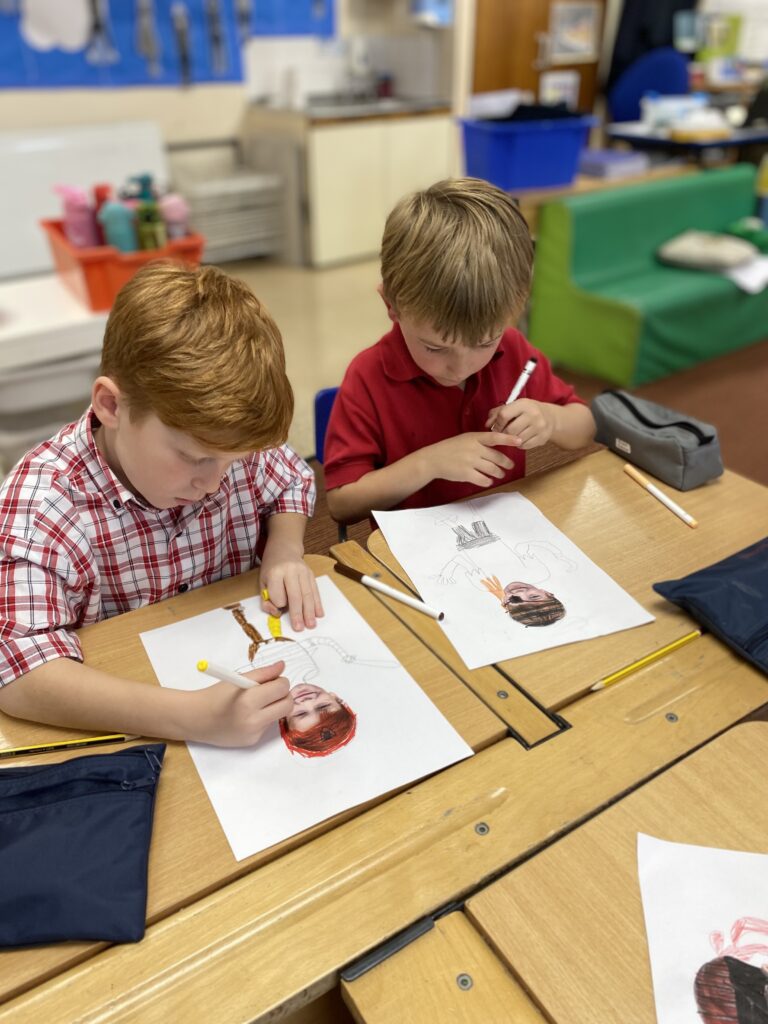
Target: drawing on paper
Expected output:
[321,722]
[731,987]
[265,793]
[525,602]
[499,570]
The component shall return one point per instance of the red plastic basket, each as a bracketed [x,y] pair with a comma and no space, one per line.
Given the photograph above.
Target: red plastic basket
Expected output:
[97,274]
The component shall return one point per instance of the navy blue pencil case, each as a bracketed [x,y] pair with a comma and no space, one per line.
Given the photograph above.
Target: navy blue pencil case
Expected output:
[730,599]
[74,847]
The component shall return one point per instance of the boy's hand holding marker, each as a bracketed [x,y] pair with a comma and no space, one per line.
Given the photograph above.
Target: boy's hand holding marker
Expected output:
[289,584]
[529,423]
[237,716]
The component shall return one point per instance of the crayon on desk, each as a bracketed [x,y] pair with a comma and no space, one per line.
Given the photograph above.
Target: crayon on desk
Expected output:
[660,495]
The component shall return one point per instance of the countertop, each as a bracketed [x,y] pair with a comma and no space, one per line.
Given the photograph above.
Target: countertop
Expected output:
[349,109]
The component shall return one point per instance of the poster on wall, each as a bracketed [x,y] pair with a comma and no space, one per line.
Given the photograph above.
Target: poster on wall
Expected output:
[574,33]
[82,43]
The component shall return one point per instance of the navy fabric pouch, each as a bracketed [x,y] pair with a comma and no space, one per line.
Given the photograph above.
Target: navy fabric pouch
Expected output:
[74,847]
[730,599]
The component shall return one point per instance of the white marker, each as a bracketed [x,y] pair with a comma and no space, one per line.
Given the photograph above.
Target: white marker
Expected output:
[660,496]
[522,380]
[225,674]
[383,588]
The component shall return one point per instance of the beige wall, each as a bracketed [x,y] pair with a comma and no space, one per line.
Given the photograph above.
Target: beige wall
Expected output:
[184,114]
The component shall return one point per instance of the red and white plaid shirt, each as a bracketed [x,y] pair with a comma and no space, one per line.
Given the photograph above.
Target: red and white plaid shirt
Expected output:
[77,546]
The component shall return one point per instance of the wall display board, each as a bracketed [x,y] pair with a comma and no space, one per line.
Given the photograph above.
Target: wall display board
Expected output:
[81,43]
[51,44]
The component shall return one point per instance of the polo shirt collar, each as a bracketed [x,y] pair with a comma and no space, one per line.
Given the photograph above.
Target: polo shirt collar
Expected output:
[396,360]
[398,363]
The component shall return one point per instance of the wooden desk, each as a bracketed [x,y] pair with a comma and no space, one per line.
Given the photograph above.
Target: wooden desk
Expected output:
[189,855]
[569,922]
[276,937]
[637,541]
[449,974]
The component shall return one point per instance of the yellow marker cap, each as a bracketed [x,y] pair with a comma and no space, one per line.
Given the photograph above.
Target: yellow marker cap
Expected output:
[265,594]
[202,666]
[274,625]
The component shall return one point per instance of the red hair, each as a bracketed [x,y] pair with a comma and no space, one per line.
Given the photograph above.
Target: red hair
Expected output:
[334,730]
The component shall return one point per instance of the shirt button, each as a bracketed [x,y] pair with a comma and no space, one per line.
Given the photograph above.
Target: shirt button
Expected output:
[116,503]
[183,588]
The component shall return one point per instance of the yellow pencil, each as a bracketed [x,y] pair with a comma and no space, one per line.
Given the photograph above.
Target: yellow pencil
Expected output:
[647,660]
[45,748]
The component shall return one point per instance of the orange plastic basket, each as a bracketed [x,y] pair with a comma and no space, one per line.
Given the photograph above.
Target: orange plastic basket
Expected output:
[97,274]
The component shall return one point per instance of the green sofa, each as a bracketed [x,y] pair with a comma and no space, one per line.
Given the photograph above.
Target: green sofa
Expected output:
[603,305]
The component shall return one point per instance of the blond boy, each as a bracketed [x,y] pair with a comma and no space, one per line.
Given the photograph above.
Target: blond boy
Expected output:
[422,418]
[169,481]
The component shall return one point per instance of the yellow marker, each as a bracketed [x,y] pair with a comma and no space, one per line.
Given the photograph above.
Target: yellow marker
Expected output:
[225,674]
[647,660]
[274,625]
[265,594]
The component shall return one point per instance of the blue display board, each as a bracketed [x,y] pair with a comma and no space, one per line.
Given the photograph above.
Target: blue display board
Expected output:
[293,18]
[122,42]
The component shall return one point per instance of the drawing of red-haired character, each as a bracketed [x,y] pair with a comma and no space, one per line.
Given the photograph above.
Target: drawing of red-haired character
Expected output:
[321,722]
[729,989]
[525,603]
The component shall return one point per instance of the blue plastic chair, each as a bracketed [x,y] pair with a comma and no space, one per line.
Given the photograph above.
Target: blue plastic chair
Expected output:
[664,71]
[323,404]
[324,400]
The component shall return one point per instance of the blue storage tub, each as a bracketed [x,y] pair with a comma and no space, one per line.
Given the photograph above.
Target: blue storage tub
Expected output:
[525,154]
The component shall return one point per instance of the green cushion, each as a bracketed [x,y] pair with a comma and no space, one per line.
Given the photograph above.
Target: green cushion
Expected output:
[603,305]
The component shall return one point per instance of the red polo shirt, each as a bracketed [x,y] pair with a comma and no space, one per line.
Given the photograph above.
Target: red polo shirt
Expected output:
[387,408]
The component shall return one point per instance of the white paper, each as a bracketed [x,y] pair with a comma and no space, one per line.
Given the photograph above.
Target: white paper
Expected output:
[699,904]
[449,550]
[266,793]
[751,277]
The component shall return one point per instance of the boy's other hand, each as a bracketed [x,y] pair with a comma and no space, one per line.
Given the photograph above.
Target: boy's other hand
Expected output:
[471,458]
[290,584]
[229,716]
[526,423]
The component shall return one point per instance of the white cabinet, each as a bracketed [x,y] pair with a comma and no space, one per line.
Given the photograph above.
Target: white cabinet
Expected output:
[357,171]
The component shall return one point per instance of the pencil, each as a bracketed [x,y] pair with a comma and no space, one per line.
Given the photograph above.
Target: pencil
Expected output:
[383,588]
[647,660]
[56,745]
[662,497]
[225,674]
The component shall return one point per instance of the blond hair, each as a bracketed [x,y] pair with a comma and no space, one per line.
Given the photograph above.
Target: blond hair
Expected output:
[458,257]
[198,349]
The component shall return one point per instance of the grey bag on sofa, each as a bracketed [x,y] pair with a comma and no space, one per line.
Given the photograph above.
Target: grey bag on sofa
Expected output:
[682,451]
